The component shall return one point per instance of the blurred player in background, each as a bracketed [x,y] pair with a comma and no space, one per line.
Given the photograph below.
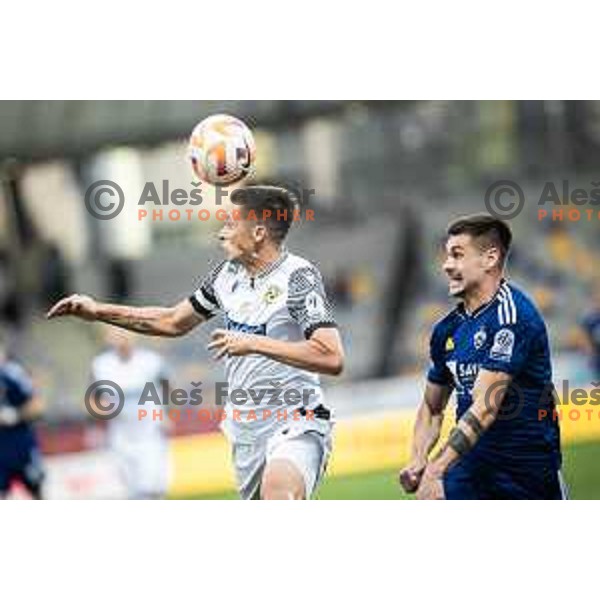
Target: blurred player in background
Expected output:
[20,405]
[591,333]
[139,445]
[280,332]
[493,351]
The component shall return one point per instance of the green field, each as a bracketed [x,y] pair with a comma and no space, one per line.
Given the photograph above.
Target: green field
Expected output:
[580,468]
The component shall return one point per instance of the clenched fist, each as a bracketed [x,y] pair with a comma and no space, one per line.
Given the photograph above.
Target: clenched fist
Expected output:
[410,476]
[76,305]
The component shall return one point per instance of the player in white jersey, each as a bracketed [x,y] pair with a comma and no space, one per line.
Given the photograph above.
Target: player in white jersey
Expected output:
[139,445]
[279,335]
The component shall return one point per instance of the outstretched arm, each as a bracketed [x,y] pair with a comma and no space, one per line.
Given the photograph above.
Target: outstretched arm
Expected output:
[150,320]
[428,426]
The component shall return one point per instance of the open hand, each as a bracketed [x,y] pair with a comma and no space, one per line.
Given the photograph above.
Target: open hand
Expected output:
[228,343]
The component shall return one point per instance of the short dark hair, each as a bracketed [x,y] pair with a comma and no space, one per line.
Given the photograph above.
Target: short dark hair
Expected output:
[486,230]
[279,201]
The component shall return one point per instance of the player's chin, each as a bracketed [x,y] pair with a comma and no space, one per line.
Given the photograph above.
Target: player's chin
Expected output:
[456,288]
[230,251]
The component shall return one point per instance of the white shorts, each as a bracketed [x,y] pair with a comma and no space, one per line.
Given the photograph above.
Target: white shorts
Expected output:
[308,448]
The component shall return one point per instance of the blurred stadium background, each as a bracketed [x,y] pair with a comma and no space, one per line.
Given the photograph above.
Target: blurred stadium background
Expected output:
[388,176]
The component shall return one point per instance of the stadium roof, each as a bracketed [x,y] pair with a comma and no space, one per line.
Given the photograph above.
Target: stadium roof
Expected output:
[41,129]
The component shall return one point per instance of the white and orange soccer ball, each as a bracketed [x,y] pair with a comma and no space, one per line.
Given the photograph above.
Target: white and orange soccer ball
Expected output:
[222,150]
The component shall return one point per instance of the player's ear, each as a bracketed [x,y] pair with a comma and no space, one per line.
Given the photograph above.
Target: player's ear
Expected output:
[492,257]
[260,233]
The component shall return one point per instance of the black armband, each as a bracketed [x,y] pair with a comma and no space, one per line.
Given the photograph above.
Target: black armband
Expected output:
[204,312]
[459,442]
[473,422]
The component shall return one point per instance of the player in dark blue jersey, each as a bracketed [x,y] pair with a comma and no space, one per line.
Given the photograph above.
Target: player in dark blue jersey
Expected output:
[591,329]
[19,453]
[492,350]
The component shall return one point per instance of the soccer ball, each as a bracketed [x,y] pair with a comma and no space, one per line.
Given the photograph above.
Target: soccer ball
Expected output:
[222,150]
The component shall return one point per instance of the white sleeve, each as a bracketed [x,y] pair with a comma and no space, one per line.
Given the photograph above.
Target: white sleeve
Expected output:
[308,303]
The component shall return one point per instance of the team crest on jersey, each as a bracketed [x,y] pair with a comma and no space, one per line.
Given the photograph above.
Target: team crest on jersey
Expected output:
[479,338]
[503,345]
[449,344]
[272,294]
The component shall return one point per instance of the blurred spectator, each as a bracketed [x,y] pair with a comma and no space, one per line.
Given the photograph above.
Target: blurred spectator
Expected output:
[120,279]
[341,292]
[11,310]
[55,276]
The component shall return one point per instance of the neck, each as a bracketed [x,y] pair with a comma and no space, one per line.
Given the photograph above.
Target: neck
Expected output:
[261,259]
[482,295]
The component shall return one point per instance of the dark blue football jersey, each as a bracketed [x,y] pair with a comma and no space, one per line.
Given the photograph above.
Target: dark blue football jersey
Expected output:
[507,334]
[591,325]
[15,390]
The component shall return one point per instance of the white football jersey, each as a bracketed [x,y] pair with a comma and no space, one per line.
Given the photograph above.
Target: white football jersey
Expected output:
[285,301]
[132,375]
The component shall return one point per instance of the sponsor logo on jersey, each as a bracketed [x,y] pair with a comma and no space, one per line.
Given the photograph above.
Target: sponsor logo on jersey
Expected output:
[463,374]
[232,325]
[468,371]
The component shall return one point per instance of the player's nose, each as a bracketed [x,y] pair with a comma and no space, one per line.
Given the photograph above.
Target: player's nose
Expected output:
[447,266]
